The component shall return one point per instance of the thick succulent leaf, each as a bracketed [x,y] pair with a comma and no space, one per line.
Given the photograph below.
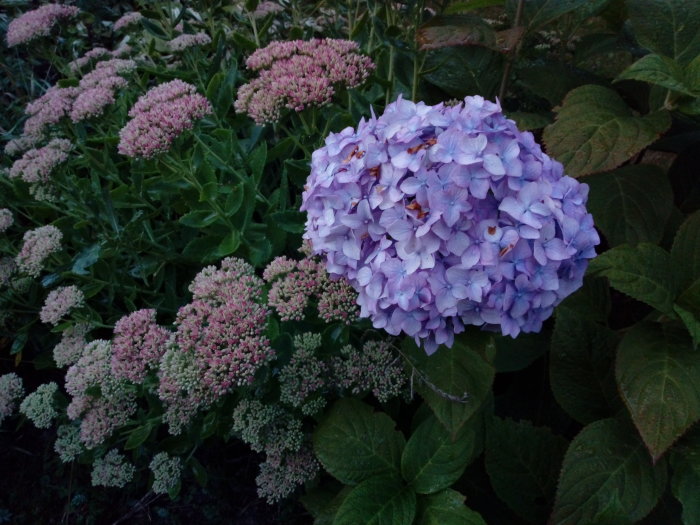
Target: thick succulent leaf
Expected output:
[658,375]
[596,131]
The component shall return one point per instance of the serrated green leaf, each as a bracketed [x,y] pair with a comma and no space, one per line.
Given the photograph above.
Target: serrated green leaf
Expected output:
[685,477]
[454,381]
[138,436]
[529,121]
[446,508]
[688,309]
[644,272]
[607,471]
[685,251]
[658,375]
[631,204]
[455,30]
[659,70]
[516,354]
[667,27]
[378,501]
[461,71]
[596,131]
[581,369]
[523,463]
[354,443]
[433,459]
[537,13]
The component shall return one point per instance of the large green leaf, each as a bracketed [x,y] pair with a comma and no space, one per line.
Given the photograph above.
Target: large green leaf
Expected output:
[461,71]
[668,27]
[658,375]
[382,500]
[596,131]
[685,479]
[685,251]
[523,463]
[454,381]
[643,272]
[433,459]
[537,13]
[355,443]
[607,474]
[631,204]
[688,309]
[581,369]
[446,508]
[659,70]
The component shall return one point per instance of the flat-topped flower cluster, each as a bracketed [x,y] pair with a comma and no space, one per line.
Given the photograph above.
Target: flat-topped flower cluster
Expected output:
[300,73]
[442,216]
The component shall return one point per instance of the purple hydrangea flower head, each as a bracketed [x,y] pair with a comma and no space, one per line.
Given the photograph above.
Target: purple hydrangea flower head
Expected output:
[446,216]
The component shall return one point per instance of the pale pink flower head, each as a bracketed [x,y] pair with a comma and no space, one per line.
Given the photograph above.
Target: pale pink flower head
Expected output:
[6,219]
[296,74]
[60,302]
[38,22]
[21,144]
[91,103]
[71,346]
[100,414]
[267,8]
[48,109]
[107,74]
[128,19]
[159,117]
[184,41]
[138,344]
[95,53]
[219,342]
[36,165]
[38,245]
[11,390]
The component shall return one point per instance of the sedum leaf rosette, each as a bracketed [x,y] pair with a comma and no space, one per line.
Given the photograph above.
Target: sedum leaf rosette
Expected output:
[445,216]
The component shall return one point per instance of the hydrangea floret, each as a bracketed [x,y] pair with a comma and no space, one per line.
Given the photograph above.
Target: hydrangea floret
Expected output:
[446,216]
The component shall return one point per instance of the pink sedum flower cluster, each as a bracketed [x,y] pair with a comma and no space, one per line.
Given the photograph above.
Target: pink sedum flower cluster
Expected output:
[100,414]
[296,284]
[138,344]
[159,117]
[267,8]
[128,19]
[69,349]
[36,165]
[11,390]
[6,219]
[60,302]
[219,342]
[38,245]
[296,74]
[184,41]
[112,470]
[37,23]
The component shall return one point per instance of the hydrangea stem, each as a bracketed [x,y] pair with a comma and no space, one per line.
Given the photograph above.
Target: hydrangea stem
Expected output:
[512,54]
